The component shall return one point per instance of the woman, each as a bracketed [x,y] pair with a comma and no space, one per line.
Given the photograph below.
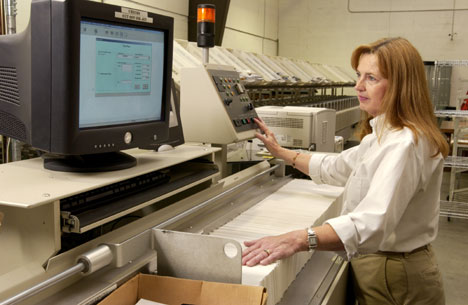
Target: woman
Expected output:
[391,184]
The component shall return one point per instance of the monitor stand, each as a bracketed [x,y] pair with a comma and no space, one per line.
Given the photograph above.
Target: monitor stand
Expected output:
[103,162]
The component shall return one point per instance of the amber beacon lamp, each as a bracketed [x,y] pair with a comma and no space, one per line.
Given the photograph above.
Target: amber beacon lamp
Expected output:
[206,29]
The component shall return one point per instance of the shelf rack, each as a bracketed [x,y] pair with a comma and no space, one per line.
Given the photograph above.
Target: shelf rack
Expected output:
[452,208]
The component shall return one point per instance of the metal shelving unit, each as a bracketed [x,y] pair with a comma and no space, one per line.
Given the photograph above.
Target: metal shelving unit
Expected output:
[454,209]
[451,207]
[456,162]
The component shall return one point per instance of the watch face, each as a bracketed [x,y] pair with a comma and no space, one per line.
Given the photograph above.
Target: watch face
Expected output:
[312,237]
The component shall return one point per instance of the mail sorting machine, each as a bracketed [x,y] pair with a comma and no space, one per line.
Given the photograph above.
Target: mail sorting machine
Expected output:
[72,238]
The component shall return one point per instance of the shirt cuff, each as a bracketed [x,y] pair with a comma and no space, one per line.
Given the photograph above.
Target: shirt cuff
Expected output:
[315,164]
[344,228]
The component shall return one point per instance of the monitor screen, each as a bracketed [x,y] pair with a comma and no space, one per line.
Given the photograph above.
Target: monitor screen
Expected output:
[121,74]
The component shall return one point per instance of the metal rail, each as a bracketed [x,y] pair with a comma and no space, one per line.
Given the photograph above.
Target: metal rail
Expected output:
[452,113]
[87,263]
[456,161]
[44,285]
[454,209]
[9,7]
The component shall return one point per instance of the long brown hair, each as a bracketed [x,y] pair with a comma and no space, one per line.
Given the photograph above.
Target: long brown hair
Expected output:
[406,102]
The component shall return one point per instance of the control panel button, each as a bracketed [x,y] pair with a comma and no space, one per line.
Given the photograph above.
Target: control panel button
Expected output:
[240,88]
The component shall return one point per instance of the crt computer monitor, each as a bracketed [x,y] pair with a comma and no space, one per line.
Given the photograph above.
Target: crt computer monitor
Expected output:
[86,80]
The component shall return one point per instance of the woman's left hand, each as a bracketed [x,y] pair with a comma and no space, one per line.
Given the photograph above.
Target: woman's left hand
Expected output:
[269,249]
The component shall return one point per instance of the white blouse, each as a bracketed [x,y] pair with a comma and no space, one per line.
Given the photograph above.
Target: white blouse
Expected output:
[392,191]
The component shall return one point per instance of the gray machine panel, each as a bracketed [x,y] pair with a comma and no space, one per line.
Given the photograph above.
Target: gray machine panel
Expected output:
[235,98]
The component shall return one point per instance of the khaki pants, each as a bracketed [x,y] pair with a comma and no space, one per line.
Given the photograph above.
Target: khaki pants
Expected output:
[398,278]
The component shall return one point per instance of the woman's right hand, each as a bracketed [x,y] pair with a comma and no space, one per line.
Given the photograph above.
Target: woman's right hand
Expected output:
[268,138]
[296,159]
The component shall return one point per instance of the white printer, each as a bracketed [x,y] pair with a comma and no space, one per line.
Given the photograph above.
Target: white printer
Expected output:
[301,127]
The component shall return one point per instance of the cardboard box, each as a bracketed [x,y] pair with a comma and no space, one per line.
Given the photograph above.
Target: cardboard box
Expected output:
[175,291]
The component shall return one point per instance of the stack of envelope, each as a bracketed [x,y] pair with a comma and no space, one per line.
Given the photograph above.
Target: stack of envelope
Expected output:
[297,205]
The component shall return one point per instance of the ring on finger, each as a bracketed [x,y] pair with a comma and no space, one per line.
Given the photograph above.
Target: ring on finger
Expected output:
[267,251]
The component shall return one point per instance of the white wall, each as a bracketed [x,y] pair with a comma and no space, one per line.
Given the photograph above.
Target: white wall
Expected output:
[177,9]
[327,31]
[324,31]
[252,25]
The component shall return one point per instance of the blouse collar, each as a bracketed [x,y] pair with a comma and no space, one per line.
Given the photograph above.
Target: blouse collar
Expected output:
[377,124]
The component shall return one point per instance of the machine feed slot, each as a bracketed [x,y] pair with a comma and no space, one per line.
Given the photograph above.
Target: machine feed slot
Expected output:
[85,211]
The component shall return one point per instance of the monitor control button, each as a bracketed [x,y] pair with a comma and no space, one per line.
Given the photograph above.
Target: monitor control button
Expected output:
[128,137]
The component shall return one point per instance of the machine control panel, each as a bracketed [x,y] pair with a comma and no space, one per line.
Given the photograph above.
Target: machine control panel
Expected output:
[235,99]
[214,105]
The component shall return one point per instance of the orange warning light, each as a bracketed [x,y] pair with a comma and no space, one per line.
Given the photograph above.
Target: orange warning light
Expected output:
[206,14]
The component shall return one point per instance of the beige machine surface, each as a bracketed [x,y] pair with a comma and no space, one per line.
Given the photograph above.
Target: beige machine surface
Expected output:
[307,128]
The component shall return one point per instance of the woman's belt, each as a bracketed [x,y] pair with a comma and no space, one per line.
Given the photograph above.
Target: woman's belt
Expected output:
[404,254]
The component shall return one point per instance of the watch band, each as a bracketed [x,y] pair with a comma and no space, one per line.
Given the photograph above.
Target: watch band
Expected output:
[312,239]
[294,159]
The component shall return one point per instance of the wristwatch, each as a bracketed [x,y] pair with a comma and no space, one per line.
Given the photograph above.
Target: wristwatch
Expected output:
[312,239]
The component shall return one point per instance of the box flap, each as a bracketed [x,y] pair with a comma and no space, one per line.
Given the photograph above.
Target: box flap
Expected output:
[231,294]
[175,291]
[264,299]
[169,290]
[124,295]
